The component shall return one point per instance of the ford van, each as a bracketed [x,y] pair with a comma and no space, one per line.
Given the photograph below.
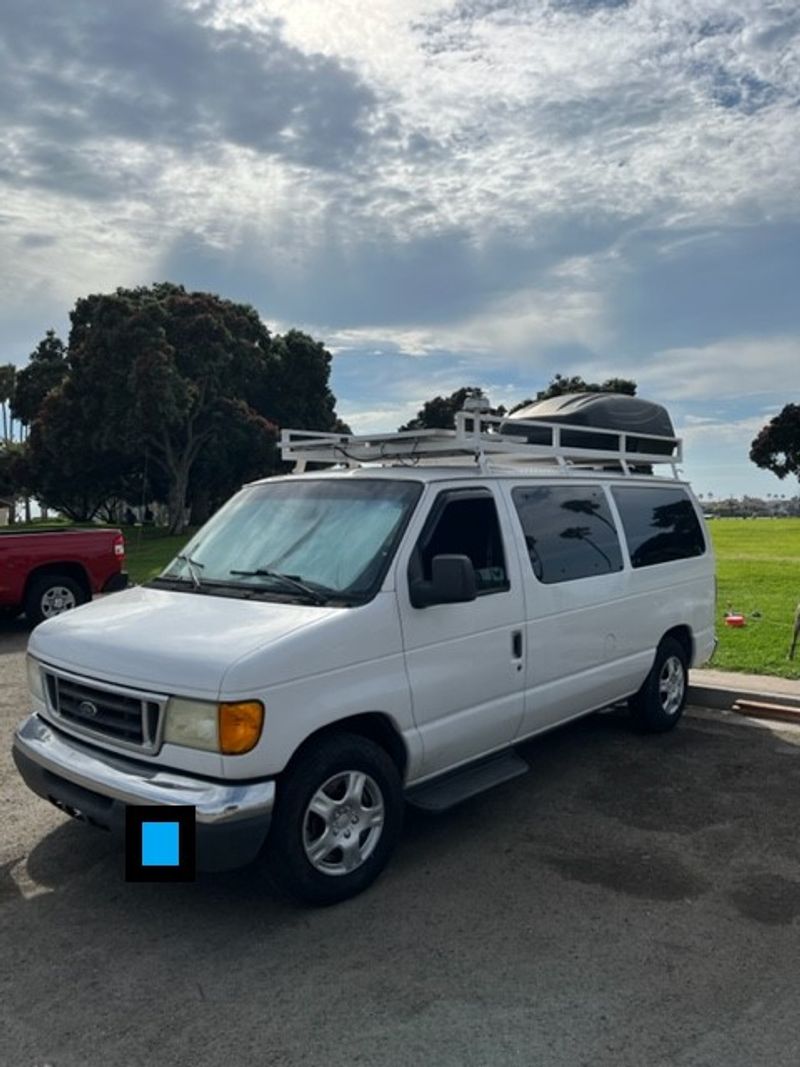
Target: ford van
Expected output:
[383,629]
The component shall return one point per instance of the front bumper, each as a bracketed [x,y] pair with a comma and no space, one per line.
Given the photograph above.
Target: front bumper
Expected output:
[232,818]
[116,583]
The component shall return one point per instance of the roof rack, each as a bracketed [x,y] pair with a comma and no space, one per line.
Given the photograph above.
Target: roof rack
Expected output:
[492,442]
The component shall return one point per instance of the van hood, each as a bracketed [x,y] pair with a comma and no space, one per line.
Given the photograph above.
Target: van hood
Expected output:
[165,640]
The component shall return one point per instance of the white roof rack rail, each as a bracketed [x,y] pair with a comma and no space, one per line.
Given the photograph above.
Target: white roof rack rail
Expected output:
[492,442]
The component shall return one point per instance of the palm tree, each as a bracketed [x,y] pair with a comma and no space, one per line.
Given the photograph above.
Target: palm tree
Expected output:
[581,533]
[8,376]
[585,506]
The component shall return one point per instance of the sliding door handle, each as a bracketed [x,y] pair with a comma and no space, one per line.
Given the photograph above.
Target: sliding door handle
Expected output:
[516,644]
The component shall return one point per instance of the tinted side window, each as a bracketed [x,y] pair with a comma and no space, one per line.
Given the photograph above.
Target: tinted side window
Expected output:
[569,531]
[466,526]
[660,524]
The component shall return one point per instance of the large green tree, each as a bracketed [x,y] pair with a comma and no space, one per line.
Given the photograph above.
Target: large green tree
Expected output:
[46,369]
[777,446]
[66,464]
[247,451]
[299,395]
[9,473]
[162,365]
[440,412]
[561,385]
[167,394]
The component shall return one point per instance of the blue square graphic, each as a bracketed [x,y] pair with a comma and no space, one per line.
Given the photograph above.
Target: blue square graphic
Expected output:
[160,844]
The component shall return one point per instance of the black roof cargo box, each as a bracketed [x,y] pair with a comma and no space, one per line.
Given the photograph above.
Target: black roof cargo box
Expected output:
[604,411]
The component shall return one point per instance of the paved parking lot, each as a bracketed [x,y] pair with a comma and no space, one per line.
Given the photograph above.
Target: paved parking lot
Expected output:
[631,901]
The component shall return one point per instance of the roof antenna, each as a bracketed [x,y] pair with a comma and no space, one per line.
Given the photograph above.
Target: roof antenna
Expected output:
[477,406]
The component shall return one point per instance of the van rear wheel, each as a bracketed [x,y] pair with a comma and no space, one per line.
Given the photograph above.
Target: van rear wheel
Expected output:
[659,704]
[336,821]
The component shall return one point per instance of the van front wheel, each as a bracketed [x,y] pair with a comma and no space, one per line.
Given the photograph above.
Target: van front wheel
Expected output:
[336,821]
[659,704]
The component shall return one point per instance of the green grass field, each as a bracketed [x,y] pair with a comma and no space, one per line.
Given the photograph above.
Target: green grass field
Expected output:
[758,571]
[148,550]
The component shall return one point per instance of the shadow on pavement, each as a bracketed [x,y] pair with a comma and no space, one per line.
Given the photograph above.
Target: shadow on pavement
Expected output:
[14,634]
[642,888]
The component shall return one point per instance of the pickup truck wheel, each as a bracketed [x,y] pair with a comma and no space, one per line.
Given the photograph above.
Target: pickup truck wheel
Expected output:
[659,704]
[51,595]
[337,820]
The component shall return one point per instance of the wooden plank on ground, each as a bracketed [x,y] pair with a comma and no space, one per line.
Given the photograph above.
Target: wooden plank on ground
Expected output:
[759,709]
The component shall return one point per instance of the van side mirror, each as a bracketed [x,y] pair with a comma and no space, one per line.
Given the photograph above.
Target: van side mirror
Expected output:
[452,582]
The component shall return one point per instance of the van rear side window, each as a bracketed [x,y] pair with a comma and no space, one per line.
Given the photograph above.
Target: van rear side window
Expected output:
[660,524]
[569,532]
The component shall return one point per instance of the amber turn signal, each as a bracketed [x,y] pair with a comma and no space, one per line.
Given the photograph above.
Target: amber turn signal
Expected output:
[240,726]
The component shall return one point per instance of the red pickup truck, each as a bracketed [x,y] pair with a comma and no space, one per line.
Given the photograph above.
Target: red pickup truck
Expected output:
[46,572]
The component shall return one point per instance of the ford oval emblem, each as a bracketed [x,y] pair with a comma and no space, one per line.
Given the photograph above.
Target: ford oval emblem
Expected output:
[86,707]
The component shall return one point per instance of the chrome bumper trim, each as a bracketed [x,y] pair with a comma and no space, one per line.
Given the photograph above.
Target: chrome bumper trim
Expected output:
[217,803]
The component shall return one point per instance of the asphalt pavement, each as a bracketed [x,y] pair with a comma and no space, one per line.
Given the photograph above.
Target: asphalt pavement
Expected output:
[632,901]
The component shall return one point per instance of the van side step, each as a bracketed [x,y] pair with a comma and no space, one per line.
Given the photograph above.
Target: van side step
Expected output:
[451,789]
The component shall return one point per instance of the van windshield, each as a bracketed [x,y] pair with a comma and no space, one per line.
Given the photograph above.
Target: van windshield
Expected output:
[318,539]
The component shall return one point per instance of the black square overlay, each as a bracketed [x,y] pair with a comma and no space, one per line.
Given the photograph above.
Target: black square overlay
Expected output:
[135,816]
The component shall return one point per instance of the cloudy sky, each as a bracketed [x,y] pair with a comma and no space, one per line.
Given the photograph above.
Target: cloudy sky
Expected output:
[447,192]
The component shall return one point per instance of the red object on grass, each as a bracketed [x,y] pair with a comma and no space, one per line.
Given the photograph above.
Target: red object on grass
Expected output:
[734,620]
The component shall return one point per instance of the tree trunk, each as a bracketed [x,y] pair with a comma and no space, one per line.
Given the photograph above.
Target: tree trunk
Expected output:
[177,465]
[177,496]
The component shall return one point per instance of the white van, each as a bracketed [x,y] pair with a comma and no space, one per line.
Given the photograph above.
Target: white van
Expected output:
[334,643]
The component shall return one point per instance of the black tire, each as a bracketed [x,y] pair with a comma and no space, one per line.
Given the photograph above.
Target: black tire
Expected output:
[659,704]
[334,762]
[52,594]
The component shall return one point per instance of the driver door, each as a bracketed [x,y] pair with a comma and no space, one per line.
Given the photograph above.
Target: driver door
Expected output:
[465,661]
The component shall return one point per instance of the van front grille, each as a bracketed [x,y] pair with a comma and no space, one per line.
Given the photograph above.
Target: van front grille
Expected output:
[119,716]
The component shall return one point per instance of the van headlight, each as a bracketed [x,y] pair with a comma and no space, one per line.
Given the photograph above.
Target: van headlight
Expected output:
[35,682]
[231,728]
[192,723]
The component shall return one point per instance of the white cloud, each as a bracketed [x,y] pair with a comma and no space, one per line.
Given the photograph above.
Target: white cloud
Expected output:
[379,420]
[684,113]
[52,251]
[522,117]
[736,368]
[719,432]
[509,329]
[490,166]
[717,457]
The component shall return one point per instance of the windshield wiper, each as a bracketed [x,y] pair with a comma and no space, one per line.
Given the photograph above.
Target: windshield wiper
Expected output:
[192,566]
[287,579]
